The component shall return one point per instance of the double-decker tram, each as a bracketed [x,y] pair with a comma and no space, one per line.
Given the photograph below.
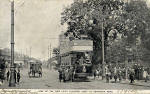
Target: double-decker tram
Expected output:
[75,57]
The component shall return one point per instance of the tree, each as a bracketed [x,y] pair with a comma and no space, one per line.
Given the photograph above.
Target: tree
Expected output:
[146,47]
[86,18]
[138,14]
[119,18]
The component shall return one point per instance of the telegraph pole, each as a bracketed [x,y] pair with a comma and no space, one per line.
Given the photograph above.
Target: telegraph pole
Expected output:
[30,51]
[26,58]
[50,50]
[12,67]
[50,54]
[103,54]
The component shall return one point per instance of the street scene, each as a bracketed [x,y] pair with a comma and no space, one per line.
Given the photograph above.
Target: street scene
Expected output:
[50,80]
[75,44]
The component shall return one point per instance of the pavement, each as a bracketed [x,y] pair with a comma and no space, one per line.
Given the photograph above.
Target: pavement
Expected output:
[49,80]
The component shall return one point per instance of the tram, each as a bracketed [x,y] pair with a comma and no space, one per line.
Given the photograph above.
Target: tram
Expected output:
[76,57]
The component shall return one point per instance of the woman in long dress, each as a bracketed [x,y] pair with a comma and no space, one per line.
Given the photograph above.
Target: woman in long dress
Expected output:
[145,75]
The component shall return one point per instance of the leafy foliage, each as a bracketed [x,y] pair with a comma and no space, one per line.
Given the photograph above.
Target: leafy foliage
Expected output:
[119,19]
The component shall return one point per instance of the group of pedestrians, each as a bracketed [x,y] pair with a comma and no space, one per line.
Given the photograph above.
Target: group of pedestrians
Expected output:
[64,72]
[117,75]
[114,73]
[17,76]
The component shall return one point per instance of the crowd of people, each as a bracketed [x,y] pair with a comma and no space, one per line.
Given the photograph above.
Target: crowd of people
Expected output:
[5,72]
[114,73]
[64,72]
[17,76]
[2,68]
[118,74]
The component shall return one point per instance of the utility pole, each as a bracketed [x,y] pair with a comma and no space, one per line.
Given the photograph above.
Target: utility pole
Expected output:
[50,54]
[26,52]
[126,69]
[12,67]
[50,50]
[26,59]
[127,47]
[30,52]
[103,54]
[21,53]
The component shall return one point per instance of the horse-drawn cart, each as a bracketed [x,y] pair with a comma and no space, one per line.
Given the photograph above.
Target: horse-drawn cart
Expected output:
[35,68]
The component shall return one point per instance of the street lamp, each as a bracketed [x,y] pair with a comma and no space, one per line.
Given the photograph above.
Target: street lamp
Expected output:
[12,67]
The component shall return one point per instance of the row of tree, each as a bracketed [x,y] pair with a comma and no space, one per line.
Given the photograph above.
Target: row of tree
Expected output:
[125,25]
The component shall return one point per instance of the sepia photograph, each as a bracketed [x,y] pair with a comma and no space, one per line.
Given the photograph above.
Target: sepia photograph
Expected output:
[75,44]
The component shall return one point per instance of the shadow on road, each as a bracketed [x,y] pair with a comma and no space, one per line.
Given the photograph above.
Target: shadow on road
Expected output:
[81,81]
[78,80]
[113,82]
[47,85]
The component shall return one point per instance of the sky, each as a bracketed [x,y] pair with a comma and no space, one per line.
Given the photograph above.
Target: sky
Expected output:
[37,25]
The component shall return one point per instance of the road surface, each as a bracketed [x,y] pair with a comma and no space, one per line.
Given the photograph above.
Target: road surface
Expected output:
[50,81]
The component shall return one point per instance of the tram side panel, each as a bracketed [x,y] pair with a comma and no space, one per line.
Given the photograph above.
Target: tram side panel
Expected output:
[74,65]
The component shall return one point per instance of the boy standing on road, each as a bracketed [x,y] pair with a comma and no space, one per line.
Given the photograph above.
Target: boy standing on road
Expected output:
[131,77]
[8,75]
[15,75]
[94,74]
[115,77]
[60,75]
[18,77]
[145,75]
